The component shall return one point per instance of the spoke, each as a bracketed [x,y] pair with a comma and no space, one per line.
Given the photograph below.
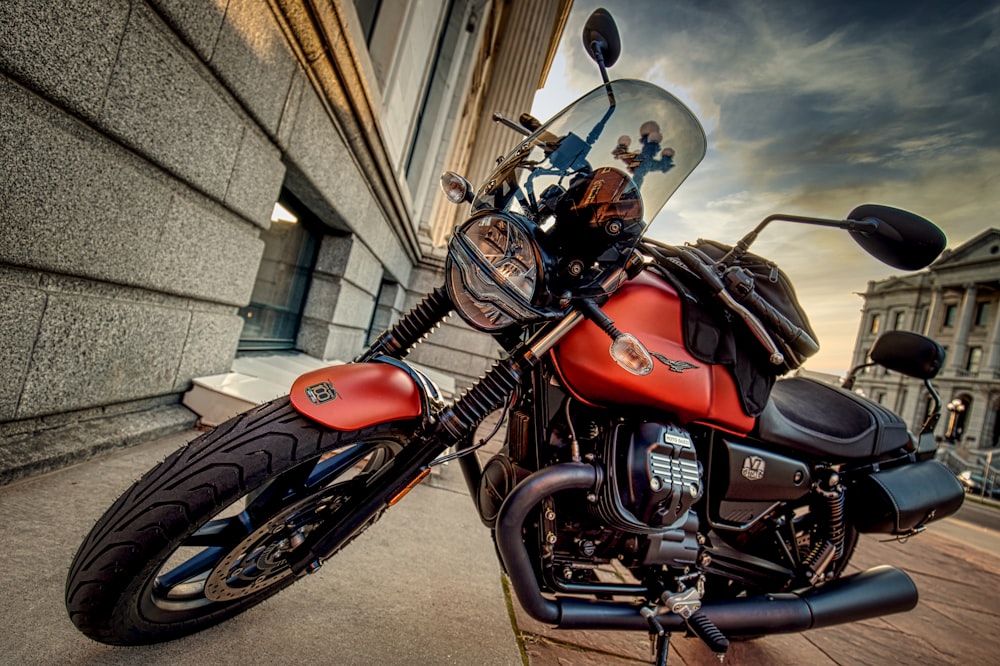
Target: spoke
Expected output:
[189,577]
[271,498]
[335,465]
[221,532]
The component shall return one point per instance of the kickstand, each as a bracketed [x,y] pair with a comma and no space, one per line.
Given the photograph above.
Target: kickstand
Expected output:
[661,647]
[659,639]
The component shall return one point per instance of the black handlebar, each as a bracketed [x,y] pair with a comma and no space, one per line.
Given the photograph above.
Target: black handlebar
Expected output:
[794,336]
[735,288]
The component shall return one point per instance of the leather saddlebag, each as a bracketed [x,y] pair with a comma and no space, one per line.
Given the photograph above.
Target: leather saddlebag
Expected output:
[901,499]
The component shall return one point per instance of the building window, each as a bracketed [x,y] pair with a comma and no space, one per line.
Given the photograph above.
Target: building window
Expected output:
[974,358]
[995,427]
[897,320]
[383,23]
[949,315]
[271,320]
[982,313]
[434,103]
[874,323]
[878,396]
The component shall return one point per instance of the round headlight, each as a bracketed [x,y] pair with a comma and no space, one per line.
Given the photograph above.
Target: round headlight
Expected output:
[493,272]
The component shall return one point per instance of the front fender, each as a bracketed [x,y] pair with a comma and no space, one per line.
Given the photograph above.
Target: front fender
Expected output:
[359,395]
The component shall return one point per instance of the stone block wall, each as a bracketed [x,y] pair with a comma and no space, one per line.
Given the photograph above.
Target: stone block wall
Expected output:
[142,147]
[143,144]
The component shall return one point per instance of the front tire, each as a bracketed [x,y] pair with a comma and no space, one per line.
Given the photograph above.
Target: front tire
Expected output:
[205,534]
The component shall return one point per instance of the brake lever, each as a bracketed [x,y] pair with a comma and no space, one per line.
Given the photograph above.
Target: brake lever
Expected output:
[711,278]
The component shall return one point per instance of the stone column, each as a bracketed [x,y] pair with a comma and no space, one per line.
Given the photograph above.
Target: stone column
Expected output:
[960,343]
[993,344]
[933,311]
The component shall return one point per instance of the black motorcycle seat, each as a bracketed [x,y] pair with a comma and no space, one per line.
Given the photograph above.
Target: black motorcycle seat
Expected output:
[829,422]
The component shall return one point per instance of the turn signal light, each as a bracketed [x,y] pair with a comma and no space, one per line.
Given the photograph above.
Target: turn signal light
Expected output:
[630,354]
[456,188]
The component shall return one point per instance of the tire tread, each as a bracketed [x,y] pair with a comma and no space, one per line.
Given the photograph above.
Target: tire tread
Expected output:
[161,508]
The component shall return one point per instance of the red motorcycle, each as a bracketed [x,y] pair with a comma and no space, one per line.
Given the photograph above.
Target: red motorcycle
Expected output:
[646,424]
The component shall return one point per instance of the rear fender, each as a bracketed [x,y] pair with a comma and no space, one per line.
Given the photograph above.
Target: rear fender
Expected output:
[359,395]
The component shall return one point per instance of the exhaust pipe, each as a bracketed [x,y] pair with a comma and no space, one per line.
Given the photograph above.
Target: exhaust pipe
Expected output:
[878,591]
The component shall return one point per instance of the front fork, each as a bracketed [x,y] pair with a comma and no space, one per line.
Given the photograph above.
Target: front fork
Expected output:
[456,423]
[452,424]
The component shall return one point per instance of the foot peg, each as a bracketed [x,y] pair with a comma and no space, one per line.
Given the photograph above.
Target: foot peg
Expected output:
[686,602]
[703,627]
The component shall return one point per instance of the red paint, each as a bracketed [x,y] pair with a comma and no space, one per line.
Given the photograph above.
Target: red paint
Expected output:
[366,394]
[649,309]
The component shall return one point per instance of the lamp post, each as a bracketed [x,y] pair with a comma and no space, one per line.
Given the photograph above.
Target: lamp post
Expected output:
[986,476]
[955,410]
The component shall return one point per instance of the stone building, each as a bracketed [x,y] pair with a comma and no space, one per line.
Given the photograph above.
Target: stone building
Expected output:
[956,301]
[143,147]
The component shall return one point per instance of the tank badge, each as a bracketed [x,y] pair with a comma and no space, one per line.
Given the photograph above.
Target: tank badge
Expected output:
[675,366]
[320,393]
[753,468]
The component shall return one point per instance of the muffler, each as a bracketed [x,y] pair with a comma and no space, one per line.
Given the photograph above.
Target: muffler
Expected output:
[878,591]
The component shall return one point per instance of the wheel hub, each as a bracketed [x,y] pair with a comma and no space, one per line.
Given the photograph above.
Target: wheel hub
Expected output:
[259,560]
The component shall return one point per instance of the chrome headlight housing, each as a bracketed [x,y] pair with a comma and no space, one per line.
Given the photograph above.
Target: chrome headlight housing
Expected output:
[494,272]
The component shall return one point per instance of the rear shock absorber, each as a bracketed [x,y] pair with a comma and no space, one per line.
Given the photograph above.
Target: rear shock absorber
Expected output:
[829,535]
[401,337]
[833,499]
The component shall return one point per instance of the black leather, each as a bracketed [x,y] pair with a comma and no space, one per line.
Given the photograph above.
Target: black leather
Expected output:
[828,422]
[901,499]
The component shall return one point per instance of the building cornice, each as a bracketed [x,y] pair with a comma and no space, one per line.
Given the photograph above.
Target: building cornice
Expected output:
[326,50]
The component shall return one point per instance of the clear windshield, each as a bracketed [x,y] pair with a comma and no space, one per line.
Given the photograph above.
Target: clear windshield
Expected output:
[648,139]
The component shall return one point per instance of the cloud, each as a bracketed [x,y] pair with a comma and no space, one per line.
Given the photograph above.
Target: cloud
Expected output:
[813,108]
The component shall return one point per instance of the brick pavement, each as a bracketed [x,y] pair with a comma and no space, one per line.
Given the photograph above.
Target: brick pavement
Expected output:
[956,621]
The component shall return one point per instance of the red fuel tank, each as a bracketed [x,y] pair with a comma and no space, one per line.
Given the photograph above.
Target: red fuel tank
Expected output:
[693,391]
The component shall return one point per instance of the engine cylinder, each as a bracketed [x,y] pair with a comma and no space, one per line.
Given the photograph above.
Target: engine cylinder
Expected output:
[653,478]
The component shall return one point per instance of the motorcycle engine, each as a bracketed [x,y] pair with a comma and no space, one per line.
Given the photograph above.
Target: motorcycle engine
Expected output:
[654,478]
[642,512]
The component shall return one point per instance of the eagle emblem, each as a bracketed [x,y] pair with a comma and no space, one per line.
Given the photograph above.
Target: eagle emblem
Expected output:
[675,366]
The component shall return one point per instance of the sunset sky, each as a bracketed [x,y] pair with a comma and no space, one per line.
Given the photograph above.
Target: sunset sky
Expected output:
[813,108]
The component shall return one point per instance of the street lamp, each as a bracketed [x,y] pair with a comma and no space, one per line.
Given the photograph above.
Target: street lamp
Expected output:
[955,408]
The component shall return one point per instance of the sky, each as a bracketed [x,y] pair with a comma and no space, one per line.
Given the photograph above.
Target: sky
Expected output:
[813,108]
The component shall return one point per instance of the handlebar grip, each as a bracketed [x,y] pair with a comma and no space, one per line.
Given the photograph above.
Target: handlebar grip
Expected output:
[794,336]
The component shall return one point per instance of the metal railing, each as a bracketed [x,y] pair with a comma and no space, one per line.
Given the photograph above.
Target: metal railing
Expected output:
[976,472]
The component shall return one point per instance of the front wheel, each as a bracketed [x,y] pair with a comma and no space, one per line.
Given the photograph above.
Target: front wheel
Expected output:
[209,532]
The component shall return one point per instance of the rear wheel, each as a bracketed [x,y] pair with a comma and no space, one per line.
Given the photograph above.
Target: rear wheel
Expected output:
[209,532]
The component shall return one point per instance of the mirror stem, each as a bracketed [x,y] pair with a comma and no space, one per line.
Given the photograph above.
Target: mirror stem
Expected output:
[599,56]
[932,418]
[507,122]
[866,226]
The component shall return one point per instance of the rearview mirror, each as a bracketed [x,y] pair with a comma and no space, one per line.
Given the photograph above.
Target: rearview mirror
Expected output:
[600,38]
[911,354]
[900,239]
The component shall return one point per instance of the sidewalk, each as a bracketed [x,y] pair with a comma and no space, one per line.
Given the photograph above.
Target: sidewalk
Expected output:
[423,586]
